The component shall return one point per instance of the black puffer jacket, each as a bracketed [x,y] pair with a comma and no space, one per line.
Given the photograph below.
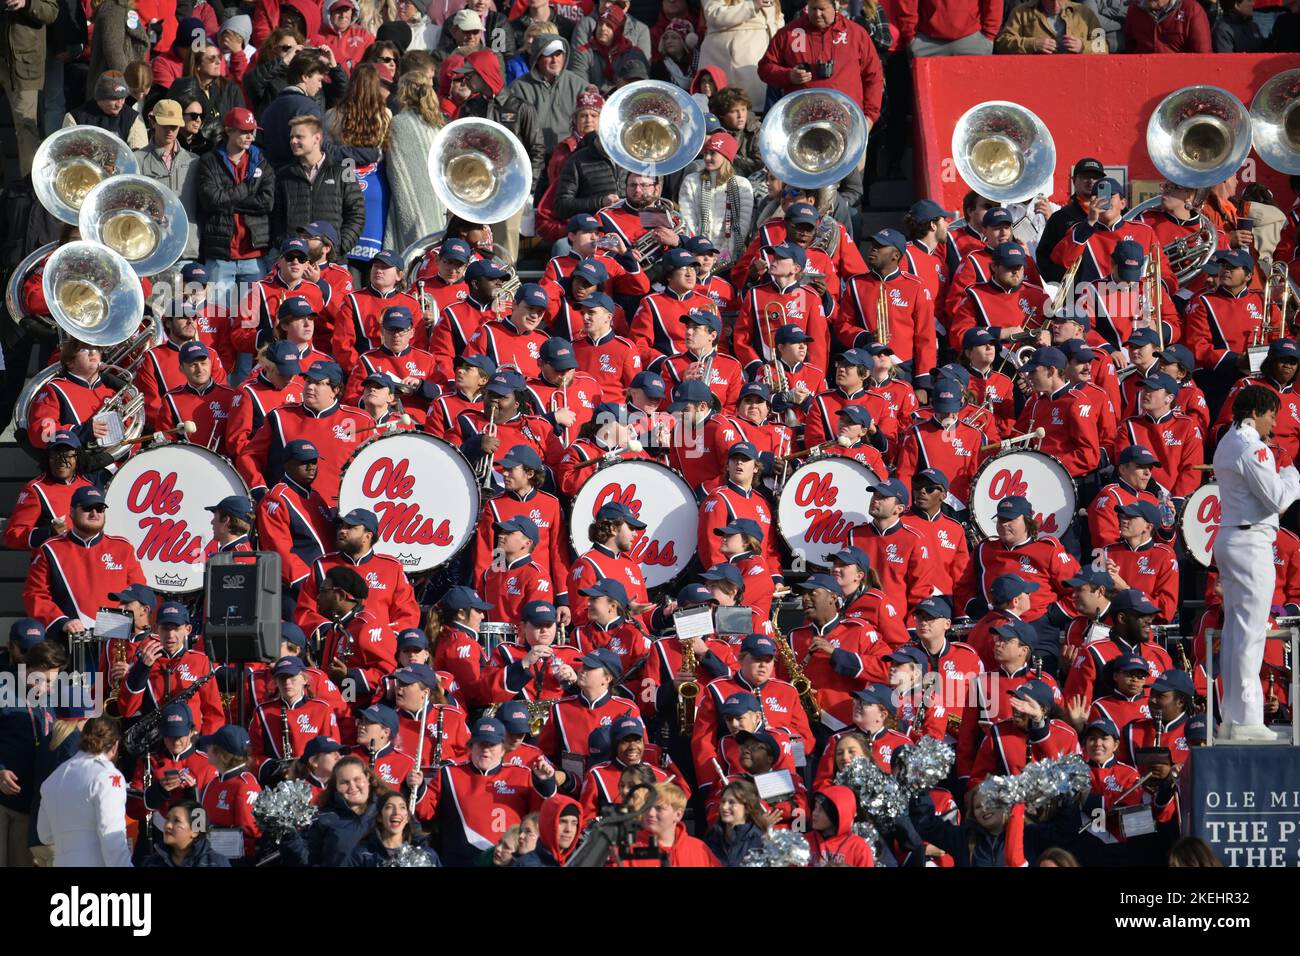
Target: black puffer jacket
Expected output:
[587,177]
[220,197]
[334,197]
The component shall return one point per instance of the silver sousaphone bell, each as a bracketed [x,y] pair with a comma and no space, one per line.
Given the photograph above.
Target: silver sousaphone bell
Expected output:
[812,138]
[1003,151]
[72,162]
[480,170]
[1275,122]
[1199,136]
[138,218]
[651,128]
[93,294]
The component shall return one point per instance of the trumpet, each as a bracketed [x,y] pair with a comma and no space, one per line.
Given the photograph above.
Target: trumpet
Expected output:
[882,317]
[483,469]
[689,691]
[1036,435]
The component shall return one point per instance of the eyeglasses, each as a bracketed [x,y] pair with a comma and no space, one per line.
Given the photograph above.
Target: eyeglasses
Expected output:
[191,117]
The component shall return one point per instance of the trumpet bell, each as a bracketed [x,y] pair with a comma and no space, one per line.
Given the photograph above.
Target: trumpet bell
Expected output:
[138,218]
[93,294]
[70,163]
[480,170]
[1198,136]
[812,138]
[1003,151]
[651,128]
[1275,122]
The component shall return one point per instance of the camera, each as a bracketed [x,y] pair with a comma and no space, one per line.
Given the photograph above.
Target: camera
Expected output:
[823,69]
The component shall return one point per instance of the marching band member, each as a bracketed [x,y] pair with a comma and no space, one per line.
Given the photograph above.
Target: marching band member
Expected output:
[737,498]
[1009,601]
[275,384]
[1092,590]
[72,574]
[1030,727]
[472,374]
[1171,703]
[535,668]
[989,384]
[780,299]
[456,648]
[1096,237]
[70,400]
[945,536]
[259,311]
[514,578]
[1174,438]
[622,266]
[612,534]
[390,598]
[377,728]
[612,360]
[161,370]
[589,277]
[293,642]
[715,657]
[41,509]
[751,423]
[593,704]
[611,626]
[569,396]
[503,423]
[273,726]
[232,520]
[317,763]
[1117,304]
[523,472]
[921,712]
[1130,632]
[1133,483]
[417,690]
[357,319]
[889,382]
[688,449]
[355,644]
[1072,324]
[179,771]
[332,428]
[897,552]
[1069,421]
[413,369]
[700,359]
[926,225]
[970,237]
[741,544]
[200,400]
[333,278]
[803,380]
[381,401]
[1176,361]
[515,339]
[440,280]
[1114,784]
[863,599]
[1080,361]
[166,667]
[742,715]
[758,753]
[228,799]
[295,323]
[138,603]
[942,442]
[1083,176]
[294,519]
[716,287]
[628,749]
[1139,561]
[874,715]
[813,234]
[955,663]
[998,228]
[1143,347]
[1278,375]
[605,433]
[1005,303]
[623,218]
[1126,701]
[464,317]
[851,375]
[659,324]
[1178,217]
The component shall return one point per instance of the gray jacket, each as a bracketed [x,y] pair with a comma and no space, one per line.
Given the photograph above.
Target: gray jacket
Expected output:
[22,44]
[638,33]
[554,101]
[182,179]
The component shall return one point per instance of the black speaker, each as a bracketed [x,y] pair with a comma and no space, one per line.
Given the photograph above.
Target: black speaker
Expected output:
[242,606]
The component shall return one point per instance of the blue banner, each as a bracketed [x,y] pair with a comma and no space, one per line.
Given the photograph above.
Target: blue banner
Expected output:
[373,180]
[1245,802]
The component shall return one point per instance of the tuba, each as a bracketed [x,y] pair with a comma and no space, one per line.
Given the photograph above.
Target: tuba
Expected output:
[813,138]
[138,218]
[70,163]
[1198,136]
[651,128]
[1003,151]
[1275,122]
[480,170]
[38,325]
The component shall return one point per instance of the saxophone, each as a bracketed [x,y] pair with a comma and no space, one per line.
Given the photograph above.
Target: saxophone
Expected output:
[112,704]
[798,679]
[689,691]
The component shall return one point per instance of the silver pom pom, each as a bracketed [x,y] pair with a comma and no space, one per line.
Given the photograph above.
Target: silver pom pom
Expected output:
[409,855]
[780,848]
[1002,793]
[880,799]
[284,809]
[1041,785]
[922,766]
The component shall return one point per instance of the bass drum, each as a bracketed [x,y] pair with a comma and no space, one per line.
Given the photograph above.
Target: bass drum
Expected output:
[1038,477]
[658,496]
[821,503]
[1199,523]
[158,501]
[422,491]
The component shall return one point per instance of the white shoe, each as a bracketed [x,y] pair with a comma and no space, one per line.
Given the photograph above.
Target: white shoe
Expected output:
[1254,732]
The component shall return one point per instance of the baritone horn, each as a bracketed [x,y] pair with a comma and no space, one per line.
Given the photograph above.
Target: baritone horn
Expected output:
[138,218]
[72,162]
[813,138]
[480,170]
[1198,136]
[1003,151]
[651,128]
[1275,122]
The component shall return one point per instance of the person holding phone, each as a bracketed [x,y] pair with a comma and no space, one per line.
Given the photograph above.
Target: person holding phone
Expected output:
[1096,237]
[170,775]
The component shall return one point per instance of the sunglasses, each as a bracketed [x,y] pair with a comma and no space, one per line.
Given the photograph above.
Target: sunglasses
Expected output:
[99,509]
[388,59]
[296,257]
[194,116]
[286,47]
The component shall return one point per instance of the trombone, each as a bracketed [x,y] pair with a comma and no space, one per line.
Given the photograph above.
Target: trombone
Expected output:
[1278,292]
[483,470]
[882,316]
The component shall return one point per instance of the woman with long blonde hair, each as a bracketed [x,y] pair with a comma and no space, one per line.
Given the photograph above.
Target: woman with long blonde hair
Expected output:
[414,211]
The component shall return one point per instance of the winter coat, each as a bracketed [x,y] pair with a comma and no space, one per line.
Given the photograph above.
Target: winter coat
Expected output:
[1027,23]
[68,33]
[736,38]
[587,178]
[856,67]
[748,159]
[331,839]
[220,197]
[553,101]
[219,99]
[414,210]
[263,83]
[292,102]
[22,44]
[638,33]
[126,125]
[114,42]
[183,180]
[1237,34]
[731,847]
[1182,28]
[201,856]
[334,197]
[371,853]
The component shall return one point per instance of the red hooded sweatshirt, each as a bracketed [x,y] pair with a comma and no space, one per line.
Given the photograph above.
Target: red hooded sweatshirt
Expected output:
[844,847]
[548,833]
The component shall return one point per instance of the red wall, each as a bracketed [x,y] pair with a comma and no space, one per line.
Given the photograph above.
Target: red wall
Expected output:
[1093,105]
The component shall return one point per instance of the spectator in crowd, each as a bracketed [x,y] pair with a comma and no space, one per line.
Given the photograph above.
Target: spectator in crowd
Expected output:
[735,112]
[742,822]
[541,11]
[314,187]
[687,11]
[1084,177]
[498,33]
[1166,26]
[637,33]
[1285,35]
[1051,26]
[166,161]
[589,180]
[807,53]
[600,59]
[341,33]
[463,33]
[306,94]
[62,744]
[22,70]
[270,74]
[304,15]
[1236,31]
[185,842]
[676,53]
[119,36]
[236,193]
[550,89]
[1193,851]
[425,34]
[168,65]
[737,34]
[233,42]
[414,210]
[22,730]
[107,110]
[139,80]
[65,40]
[362,119]
[716,202]
[207,82]
[521,62]
[948,27]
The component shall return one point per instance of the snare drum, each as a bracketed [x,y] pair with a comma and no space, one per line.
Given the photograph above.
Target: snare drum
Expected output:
[1038,477]
[822,502]
[422,491]
[158,500]
[1199,522]
[492,634]
[659,497]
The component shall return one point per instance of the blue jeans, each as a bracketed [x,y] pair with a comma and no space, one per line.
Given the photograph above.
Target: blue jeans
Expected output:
[225,276]
[53,104]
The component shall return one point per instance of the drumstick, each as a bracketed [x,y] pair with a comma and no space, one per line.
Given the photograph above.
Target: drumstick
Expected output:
[1202,468]
[1006,443]
[186,428]
[843,441]
[632,445]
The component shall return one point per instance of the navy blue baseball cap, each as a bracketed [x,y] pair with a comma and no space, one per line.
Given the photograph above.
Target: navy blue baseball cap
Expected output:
[514,716]
[300,449]
[977,336]
[1159,380]
[1179,354]
[739,704]
[935,606]
[758,645]
[455,250]
[762,738]
[360,518]
[1017,631]
[461,598]
[909,654]
[690,392]
[625,727]
[173,612]
[289,666]
[1130,260]
[136,592]
[1014,506]
[67,438]
[1138,455]
[505,381]
[694,594]
[1180,682]
[881,694]
[788,250]
[678,258]
[743,449]
[285,358]
[291,633]
[194,351]
[521,523]
[947,397]
[416,674]
[925,210]
[295,245]
[1284,349]
[194,272]
[1133,601]
[27,632]
[234,506]
[790,333]
[412,639]
[1047,357]
[558,353]
[877,348]
[1040,692]
[584,222]
[592,271]
[700,246]
[603,657]
[1129,662]
[1237,258]
[757,390]
[608,588]
[538,612]
[484,363]
[387,257]
[802,213]
[524,455]
[998,216]
[890,237]
[88,496]
[617,511]
[930,478]
[723,572]
[1140,509]
[488,730]
[532,294]
[857,415]
[231,738]
[320,744]
[397,317]
[703,317]
[651,383]
[857,357]
[815,581]
[852,555]
[177,721]
[893,488]
[381,380]
[383,715]
[1102,725]
[740,526]
[324,372]
[598,743]
[597,300]
[1008,586]
[484,269]
[1094,577]
[295,307]
[1077,350]
[1141,337]
[320,230]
